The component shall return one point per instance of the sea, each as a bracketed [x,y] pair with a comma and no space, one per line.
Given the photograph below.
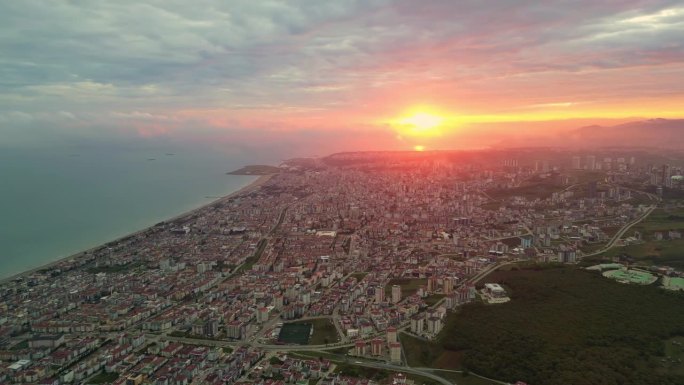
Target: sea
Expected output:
[58,201]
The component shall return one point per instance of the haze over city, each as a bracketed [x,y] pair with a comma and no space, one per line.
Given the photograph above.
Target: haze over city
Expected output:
[344,75]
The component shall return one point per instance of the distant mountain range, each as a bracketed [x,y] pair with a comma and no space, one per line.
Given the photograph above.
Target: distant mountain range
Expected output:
[667,133]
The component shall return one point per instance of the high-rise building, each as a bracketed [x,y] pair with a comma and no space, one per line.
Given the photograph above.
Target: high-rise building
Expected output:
[201,268]
[234,329]
[591,162]
[380,294]
[607,163]
[396,293]
[434,325]
[360,348]
[391,335]
[417,323]
[262,315]
[395,352]
[432,284]
[211,328]
[576,162]
[376,346]
[448,285]
[666,175]
[207,328]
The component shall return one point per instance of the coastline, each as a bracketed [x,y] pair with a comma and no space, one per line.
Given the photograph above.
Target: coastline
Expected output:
[254,185]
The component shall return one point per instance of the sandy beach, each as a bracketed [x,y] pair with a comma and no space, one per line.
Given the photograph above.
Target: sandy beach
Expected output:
[256,184]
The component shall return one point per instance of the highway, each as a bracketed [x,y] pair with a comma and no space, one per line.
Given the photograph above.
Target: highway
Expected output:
[432,370]
[406,369]
[627,226]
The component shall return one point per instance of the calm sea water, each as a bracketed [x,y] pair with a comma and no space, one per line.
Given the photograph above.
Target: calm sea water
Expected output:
[57,202]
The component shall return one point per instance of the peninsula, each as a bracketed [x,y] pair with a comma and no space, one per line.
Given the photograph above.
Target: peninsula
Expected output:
[258,169]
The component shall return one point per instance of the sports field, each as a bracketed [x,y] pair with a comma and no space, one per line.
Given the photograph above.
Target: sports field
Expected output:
[295,333]
[631,276]
[673,283]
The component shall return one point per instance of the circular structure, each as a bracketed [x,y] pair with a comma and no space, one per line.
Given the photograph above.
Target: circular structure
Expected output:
[631,276]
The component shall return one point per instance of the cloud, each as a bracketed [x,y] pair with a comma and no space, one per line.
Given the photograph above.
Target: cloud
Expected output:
[245,64]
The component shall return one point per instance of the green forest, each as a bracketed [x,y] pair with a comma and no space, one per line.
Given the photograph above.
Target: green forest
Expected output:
[569,326]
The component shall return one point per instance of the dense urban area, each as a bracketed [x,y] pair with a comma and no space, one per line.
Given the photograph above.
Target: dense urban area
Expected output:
[365,268]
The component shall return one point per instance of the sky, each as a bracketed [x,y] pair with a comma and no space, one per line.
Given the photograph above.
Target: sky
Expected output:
[308,77]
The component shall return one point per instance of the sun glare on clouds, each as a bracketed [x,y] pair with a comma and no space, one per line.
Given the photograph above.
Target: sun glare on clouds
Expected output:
[420,123]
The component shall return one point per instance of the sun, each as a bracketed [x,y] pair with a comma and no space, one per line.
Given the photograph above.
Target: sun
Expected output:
[420,123]
[419,148]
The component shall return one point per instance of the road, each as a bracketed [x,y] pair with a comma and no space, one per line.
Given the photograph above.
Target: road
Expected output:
[432,370]
[621,232]
[406,369]
[488,270]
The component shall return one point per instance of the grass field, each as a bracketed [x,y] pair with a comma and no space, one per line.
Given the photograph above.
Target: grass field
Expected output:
[382,376]
[20,346]
[661,220]
[640,199]
[652,252]
[343,366]
[295,333]
[432,299]
[103,378]
[592,247]
[307,354]
[669,253]
[465,378]
[324,331]
[611,230]
[420,353]
[409,286]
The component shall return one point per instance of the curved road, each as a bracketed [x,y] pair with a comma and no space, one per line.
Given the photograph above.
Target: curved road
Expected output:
[622,232]
[406,369]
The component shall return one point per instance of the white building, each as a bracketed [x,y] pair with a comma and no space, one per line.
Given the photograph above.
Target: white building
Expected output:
[494,293]
[396,293]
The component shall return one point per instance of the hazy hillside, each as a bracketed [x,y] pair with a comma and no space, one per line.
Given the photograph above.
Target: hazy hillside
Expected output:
[648,133]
